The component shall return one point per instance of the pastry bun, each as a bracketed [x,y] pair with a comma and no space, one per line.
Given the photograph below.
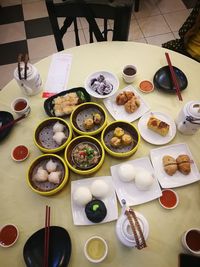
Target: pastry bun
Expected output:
[170,165]
[158,126]
[183,162]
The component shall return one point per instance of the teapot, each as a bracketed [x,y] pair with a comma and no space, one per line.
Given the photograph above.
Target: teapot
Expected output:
[188,120]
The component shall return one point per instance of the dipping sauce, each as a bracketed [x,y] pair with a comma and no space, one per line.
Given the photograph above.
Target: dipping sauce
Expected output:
[146,86]
[169,199]
[20,105]
[96,249]
[8,235]
[193,240]
[20,153]
[129,71]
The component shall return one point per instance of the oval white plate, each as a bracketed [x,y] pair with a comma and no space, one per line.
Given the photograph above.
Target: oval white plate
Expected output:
[109,76]
[152,137]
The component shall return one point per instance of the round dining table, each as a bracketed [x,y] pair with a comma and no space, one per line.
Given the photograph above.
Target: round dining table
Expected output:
[21,206]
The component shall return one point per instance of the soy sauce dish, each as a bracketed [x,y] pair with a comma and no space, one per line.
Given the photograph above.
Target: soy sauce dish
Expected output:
[9,234]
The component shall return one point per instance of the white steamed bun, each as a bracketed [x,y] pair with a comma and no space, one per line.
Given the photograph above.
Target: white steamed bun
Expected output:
[82,195]
[99,189]
[127,172]
[143,179]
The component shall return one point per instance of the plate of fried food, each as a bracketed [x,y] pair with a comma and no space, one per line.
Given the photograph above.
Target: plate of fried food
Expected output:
[157,128]
[126,104]
[174,165]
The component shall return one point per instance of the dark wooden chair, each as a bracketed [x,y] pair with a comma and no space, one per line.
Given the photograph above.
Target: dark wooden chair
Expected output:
[117,10]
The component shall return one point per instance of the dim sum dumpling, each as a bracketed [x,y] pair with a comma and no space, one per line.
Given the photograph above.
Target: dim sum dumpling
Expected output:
[99,189]
[127,172]
[58,127]
[54,177]
[82,195]
[59,137]
[41,175]
[51,166]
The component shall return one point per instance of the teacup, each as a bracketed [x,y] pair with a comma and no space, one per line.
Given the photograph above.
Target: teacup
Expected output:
[191,241]
[20,106]
[96,249]
[128,73]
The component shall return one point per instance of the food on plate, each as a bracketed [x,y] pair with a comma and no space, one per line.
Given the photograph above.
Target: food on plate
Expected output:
[58,127]
[82,195]
[99,189]
[54,177]
[132,105]
[64,105]
[127,139]
[170,165]
[115,141]
[51,165]
[88,123]
[143,179]
[123,97]
[127,172]
[85,155]
[100,85]
[183,162]
[158,126]
[41,175]
[97,118]
[95,210]
[59,137]
[118,132]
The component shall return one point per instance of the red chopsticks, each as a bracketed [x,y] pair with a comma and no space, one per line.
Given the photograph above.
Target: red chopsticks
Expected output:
[46,237]
[9,124]
[174,79]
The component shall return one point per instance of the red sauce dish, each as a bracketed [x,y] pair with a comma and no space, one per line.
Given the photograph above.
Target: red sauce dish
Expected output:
[146,86]
[169,199]
[9,234]
[20,153]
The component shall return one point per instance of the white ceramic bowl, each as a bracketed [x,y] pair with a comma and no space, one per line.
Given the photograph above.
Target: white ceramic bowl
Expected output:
[187,237]
[96,242]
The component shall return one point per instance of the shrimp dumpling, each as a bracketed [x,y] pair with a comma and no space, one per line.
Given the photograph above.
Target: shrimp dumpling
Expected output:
[58,127]
[59,137]
[51,166]
[54,177]
[41,175]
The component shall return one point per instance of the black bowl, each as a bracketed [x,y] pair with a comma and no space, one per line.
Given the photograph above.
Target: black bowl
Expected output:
[162,79]
[5,117]
[59,248]
[49,102]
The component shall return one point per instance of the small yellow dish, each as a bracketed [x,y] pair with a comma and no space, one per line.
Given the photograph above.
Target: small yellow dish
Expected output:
[44,136]
[84,155]
[88,119]
[47,188]
[126,139]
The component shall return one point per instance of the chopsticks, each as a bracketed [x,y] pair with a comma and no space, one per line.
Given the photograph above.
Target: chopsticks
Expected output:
[9,124]
[46,237]
[173,75]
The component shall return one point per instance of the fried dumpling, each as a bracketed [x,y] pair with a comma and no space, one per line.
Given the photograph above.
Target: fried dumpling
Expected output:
[169,164]
[183,162]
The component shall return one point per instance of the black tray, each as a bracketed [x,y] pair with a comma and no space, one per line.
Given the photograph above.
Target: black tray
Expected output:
[48,103]
[5,117]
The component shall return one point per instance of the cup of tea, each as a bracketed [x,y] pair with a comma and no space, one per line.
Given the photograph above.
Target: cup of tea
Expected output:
[191,241]
[129,73]
[96,249]
[20,106]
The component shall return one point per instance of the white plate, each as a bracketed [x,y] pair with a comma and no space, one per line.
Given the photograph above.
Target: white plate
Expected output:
[129,191]
[78,212]
[152,137]
[178,179]
[118,112]
[109,76]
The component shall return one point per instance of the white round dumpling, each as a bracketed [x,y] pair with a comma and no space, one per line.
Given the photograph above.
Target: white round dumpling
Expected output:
[41,175]
[143,180]
[58,137]
[51,166]
[58,127]
[54,177]
[99,189]
[82,195]
[127,172]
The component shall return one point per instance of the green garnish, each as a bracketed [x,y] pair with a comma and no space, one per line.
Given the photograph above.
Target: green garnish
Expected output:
[95,207]
[81,96]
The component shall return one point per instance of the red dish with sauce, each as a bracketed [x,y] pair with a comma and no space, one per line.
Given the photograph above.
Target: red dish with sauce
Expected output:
[8,235]
[20,153]
[146,86]
[169,199]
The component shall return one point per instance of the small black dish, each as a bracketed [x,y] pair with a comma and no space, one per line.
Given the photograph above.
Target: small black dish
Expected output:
[49,102]
[162,79]
[5,117]
[59,248]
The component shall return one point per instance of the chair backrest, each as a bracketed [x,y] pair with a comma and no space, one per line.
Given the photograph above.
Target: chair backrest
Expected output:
[117,10]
